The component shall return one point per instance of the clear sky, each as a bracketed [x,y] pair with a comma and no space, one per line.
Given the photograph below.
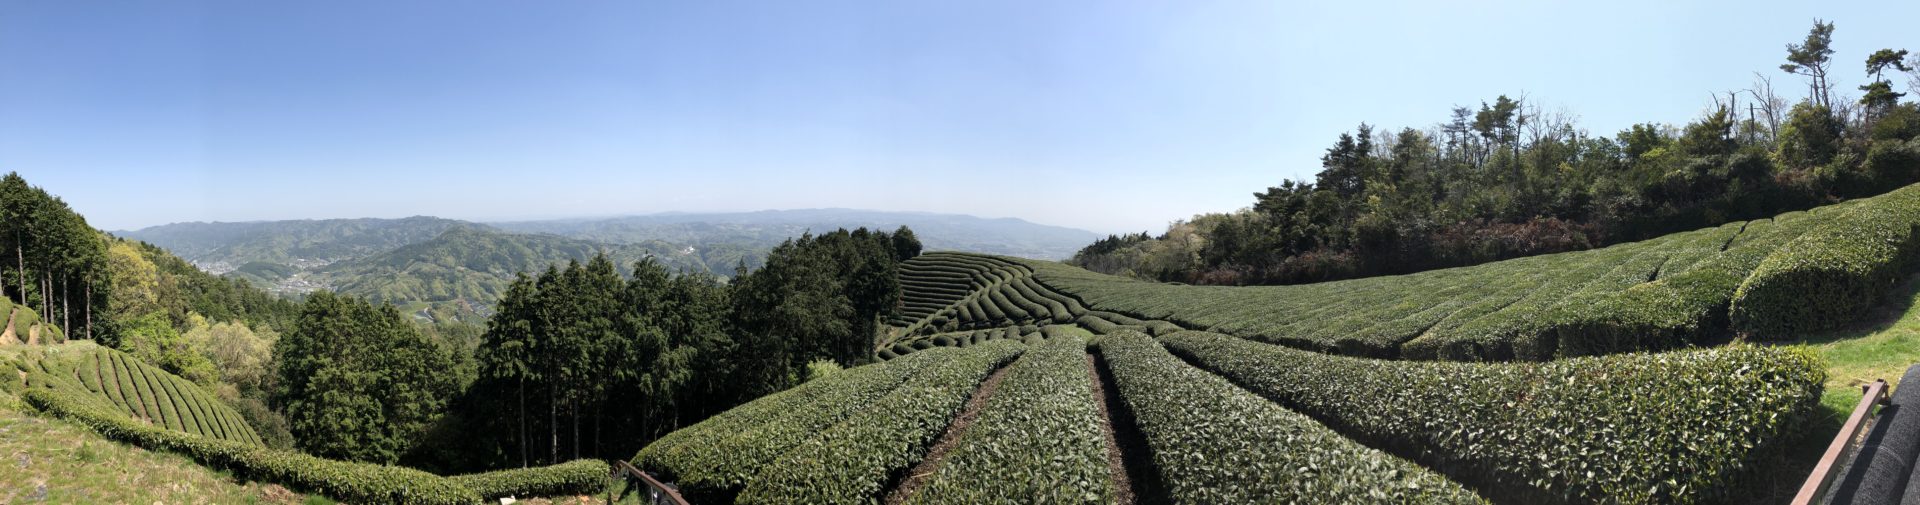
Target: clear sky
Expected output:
[1101,114]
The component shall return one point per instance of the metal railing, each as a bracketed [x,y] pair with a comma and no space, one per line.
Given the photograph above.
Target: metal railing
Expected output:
[658,493]
[1823,473]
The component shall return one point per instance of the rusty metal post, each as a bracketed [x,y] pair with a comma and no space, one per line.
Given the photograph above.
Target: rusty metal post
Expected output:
[660,489]
[1817,483]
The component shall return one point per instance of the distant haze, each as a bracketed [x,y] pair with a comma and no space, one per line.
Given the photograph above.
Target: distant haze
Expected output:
[1110,116]
[341,239]
[427,264]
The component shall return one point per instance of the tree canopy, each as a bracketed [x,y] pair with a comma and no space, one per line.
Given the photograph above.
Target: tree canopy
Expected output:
[1512,178]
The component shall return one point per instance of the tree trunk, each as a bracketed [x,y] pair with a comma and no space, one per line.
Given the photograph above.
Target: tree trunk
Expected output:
[89,307]
[576,431]
[66,307]
[523,421]
[20,259]
[553,422]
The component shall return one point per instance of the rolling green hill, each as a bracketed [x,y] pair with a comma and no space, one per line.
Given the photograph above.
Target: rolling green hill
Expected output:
[290,242]
[466,269]
[765,229]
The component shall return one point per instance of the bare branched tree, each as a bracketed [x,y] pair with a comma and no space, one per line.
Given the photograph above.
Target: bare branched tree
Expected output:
[1768,105]
[1913,76]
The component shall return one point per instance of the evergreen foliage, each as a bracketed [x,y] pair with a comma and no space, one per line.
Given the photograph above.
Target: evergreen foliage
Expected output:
[1510,179]
[357,382]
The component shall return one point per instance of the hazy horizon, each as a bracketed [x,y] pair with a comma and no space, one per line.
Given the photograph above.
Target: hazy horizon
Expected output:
[1103,116]
[613,216]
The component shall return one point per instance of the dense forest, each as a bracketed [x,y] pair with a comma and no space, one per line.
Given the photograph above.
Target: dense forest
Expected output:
[585,359]
[1511,178]
[54,263]
[581,361]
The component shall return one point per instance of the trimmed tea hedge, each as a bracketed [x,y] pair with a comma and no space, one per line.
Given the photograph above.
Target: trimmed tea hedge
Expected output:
[948,292]
[57,386]
[1678,309]
[577,477]
[1216,443]
[1795,273]
[1836,272]
[1674,427]
[355,482]
[145,392]
[1038,439]
[715,459]
[854,461]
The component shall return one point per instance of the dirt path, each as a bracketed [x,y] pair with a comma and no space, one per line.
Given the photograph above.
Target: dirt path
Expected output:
[917,476]
[1142,484]
[1116,460]
[9,336]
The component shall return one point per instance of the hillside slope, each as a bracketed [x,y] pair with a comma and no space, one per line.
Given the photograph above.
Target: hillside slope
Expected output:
[764,229]
[226,246]
[57,461]
[1772,278]
[55,381]
[469,268]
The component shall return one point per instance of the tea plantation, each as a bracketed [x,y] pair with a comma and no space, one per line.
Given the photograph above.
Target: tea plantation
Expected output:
[1765,279]
[1638,373]
[128,400]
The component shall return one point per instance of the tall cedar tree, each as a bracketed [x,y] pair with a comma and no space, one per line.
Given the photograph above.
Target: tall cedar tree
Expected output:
[577,361]
[357,382]
[51,261]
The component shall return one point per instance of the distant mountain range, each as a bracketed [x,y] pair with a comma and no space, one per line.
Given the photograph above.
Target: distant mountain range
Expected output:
[940,232]
[444,266]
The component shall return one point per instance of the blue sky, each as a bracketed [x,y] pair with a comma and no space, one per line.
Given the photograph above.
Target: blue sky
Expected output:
[1106,115]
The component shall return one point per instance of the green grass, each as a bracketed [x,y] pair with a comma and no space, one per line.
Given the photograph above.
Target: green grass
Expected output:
[45,460]
[1880,346]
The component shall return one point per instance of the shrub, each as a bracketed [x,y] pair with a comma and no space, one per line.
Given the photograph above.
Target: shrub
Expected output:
[1158,327]
[1687,308]
[1006,305]
[853,461]
[1037,440]
[1098,325]
[1626,428]
[714,459]
[1834,272]
[1216,443]
[1038,304]
[355,482]
[578,477]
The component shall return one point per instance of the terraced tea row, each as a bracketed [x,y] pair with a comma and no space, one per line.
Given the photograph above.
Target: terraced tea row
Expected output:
[1671,427]
[944,292]
[127,400]
[23,326]
[150,395]
[713,460]
[1216,443]
[1039,439]
[1793,273]
[1229,420]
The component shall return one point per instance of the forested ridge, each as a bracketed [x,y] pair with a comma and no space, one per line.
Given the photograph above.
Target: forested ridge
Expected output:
[1513,178]
[464,270]
[588,358]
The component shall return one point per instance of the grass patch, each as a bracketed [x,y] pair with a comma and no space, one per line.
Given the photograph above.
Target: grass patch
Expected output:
[1880,346]
[55,461]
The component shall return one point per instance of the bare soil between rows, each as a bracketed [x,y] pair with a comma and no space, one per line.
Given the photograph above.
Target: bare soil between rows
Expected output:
[917,476]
